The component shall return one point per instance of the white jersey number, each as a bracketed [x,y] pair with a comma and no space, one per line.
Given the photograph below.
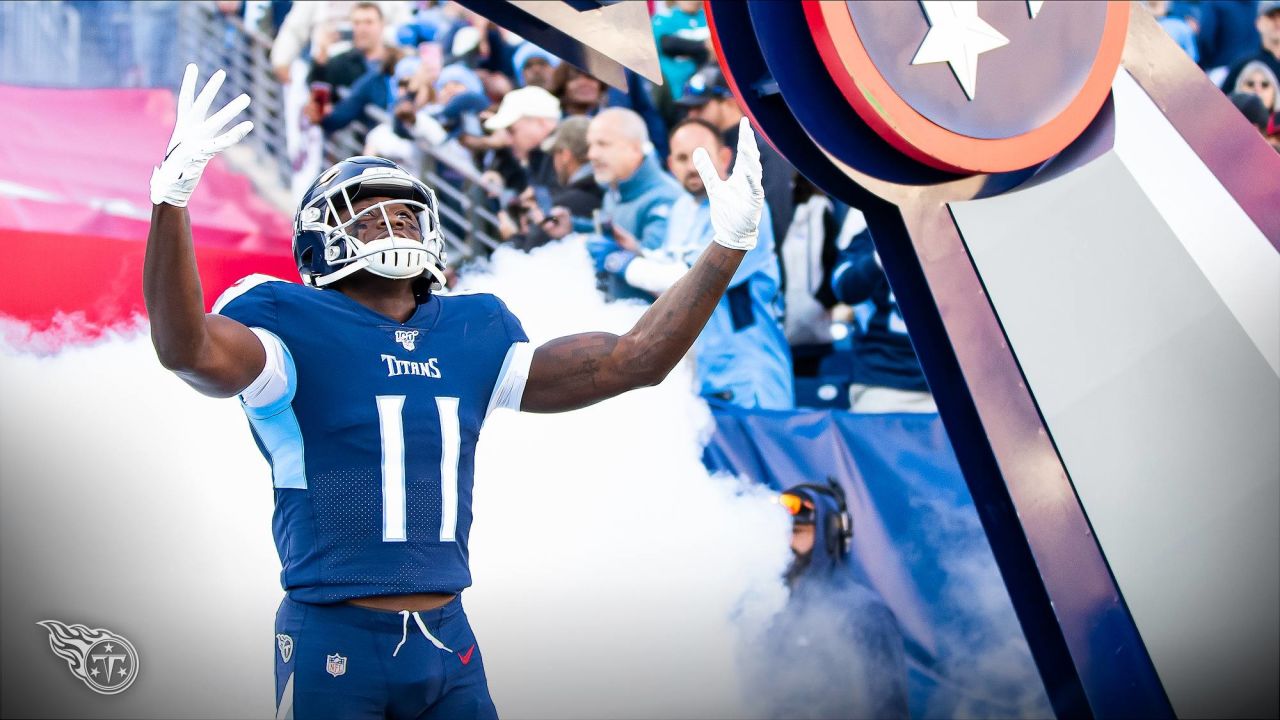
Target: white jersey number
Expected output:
[391,426]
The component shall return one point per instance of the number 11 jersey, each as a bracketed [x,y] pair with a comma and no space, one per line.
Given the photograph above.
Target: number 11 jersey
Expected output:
[372,443]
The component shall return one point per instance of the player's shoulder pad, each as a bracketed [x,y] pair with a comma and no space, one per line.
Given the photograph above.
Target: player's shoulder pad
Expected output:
[469,301]
[486,303]
[244,286]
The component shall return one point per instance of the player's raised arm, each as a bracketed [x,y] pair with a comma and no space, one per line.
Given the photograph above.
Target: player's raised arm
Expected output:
[215,355]
[578,370]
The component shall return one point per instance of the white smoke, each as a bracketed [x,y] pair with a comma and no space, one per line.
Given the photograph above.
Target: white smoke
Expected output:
[613,575]
[980,649]
[131,503]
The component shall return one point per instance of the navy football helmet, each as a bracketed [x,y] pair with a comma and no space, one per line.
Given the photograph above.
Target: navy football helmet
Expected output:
[326,252]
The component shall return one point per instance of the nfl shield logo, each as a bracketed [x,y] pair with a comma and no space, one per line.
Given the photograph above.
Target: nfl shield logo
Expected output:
[335,664]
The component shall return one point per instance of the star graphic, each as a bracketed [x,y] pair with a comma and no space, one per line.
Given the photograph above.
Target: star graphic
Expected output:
[957,36]
[94,672]
[122,672]
[110,647]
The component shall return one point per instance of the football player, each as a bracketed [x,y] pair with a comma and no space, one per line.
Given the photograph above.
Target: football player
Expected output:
[366,389]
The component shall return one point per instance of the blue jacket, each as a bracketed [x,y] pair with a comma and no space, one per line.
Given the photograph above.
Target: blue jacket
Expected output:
[373,88]
[742,355]
[882,352]
[640,205]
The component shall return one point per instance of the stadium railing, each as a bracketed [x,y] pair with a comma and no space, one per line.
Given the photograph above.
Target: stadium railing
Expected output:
[39,44]
[214,40]
[468,226]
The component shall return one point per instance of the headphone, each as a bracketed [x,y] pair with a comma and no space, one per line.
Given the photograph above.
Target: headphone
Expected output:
[839,534]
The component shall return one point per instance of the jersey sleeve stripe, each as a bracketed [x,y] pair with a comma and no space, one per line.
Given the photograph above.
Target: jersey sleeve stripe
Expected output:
[268,402]
[509,390]
[273,390]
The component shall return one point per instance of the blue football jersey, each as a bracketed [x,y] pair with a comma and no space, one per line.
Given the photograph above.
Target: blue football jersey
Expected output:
[372,448]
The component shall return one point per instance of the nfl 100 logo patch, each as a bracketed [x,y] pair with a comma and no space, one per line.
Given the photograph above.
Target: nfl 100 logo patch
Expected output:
[407,338]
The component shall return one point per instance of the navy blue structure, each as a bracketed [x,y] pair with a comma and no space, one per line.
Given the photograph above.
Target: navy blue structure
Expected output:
[1089,653]
[916,540]
[372,453]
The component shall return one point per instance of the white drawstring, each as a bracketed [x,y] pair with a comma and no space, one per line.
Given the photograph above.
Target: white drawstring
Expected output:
[404,634]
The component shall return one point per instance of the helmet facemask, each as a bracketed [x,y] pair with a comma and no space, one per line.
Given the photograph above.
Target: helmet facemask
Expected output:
[394,256]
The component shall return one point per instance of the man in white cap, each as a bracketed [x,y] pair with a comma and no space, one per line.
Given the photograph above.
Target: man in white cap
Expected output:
[527,116]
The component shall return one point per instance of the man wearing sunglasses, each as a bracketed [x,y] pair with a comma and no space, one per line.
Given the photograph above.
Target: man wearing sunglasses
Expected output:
[835,650]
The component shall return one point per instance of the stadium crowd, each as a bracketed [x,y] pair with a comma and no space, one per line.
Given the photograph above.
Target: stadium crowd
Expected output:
[810,319]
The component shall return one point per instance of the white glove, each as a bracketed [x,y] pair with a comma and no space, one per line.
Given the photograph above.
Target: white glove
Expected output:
[195,139]
[736,203]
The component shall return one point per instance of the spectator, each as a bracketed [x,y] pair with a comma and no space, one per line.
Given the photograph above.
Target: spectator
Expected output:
[578,92]
[576,195]
[835,651]
[638,193]
[809,256]
[741,355]
[376,87]
[576,188]
[707,97]
[534,66]
[528,116]
[1224,30]
[637,97]
[1258,79]
[460,98]
[582,94]
[409,123]
[368,52]
[455,80]
[428,24]
[466,44]
[318,23]
[684,45]
[1251,106]
[886,374]
[1268,24]
[496,85]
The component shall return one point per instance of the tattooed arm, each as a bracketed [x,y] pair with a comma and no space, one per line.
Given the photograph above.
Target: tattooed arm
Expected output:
[578,370]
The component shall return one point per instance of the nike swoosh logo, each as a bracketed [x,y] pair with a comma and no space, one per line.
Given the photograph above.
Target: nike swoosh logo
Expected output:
[466,657]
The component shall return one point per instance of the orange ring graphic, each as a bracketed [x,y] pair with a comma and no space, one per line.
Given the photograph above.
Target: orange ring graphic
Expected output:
[923,140]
